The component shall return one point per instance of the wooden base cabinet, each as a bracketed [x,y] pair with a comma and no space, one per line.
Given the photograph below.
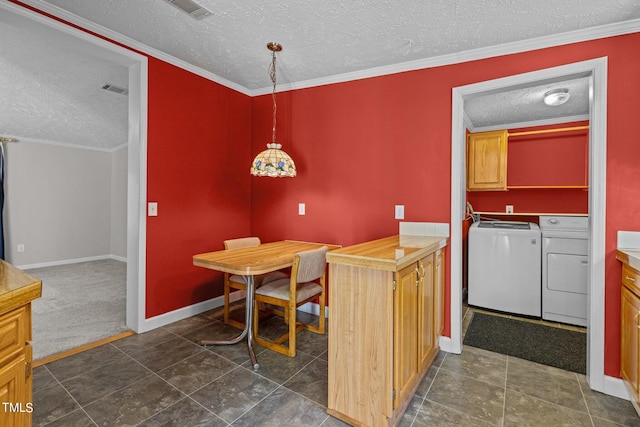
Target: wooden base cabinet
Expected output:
[383,335]
[630,332]
[17,290]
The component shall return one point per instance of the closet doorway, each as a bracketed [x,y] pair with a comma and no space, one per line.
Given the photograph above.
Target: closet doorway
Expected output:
[597,71]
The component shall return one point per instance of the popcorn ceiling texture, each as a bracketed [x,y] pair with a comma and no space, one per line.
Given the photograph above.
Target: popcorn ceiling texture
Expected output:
[51,88]
[51,82]
[326,38]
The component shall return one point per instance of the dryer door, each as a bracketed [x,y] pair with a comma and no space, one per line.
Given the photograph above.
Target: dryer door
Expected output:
[567,273]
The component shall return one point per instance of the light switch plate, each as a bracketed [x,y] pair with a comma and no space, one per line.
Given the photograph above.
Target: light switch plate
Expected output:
[153,208]
[301,209]
[399,211]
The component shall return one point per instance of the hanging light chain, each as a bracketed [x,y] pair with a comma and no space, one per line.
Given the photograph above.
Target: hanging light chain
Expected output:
[272,74]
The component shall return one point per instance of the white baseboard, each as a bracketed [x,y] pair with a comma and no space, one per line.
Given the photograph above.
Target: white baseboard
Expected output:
[118,258]
[186,312]
[313,308]
[445,344]
[616,387]
[201,307]
[180,314]
[71,261]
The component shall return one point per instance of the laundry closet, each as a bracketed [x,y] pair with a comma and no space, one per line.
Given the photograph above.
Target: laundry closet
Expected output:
[527,245]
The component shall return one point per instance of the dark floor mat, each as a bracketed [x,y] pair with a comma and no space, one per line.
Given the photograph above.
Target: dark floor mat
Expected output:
[543,344]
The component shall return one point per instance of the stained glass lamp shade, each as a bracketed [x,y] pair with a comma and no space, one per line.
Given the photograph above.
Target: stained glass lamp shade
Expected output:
[273,162]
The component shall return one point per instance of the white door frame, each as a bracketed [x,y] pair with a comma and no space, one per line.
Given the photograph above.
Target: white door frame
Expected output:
[137,153]
[597,69]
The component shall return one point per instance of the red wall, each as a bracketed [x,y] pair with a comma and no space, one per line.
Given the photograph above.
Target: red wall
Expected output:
[364,146]
[198,158]
[198,171]
[545,160]
[361,147]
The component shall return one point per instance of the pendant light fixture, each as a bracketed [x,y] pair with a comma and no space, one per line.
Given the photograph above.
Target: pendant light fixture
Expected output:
[273,161]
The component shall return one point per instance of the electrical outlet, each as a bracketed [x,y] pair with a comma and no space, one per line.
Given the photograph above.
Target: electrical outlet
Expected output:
[509,209]
[21,247]
[301,209]
[399,211]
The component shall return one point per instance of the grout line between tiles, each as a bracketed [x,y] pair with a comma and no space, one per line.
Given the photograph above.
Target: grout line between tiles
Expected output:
[458,411]
[504,401]
[80,407]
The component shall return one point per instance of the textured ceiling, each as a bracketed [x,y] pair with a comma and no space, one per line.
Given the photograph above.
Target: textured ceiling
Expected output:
[54,80]
[331,37]
[51,87]
[522,106]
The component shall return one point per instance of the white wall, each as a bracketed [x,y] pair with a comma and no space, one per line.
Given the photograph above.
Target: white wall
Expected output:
[119,172]
[62,204]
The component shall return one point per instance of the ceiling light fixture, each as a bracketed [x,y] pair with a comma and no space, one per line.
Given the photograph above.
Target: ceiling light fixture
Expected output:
[556,97]
[273,161]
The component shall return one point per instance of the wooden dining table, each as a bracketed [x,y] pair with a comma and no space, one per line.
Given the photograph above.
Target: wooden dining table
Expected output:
[249,262]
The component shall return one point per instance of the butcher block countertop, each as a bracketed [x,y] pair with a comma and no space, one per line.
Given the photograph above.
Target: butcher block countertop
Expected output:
[631,257]
[390,253]
[16,287]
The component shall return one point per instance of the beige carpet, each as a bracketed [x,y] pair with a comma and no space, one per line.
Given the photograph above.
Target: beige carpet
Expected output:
[80,304]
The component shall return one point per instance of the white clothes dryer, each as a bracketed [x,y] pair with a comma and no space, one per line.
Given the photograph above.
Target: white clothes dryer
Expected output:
[565,268]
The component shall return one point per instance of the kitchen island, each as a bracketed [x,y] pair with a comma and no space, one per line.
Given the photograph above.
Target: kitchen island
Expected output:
[17,290]
[386,311]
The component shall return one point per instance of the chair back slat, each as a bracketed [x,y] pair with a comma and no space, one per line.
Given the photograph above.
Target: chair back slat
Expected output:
[311,264]
[242,242]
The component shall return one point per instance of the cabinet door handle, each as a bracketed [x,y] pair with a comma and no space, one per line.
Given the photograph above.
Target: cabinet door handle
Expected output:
[635,319]
[629,278]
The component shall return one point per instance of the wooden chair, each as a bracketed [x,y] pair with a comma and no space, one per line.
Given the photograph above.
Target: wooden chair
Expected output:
[307,282]
[238,282]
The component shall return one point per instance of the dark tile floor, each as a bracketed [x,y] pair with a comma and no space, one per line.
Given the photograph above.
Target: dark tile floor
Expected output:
[164,378]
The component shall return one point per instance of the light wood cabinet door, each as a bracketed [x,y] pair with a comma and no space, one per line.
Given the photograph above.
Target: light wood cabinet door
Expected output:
[13,387]
[405,322]
[426,302]
[487,161]
[630,314]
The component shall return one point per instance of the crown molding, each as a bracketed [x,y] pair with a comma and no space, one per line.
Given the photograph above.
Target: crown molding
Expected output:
[593,33]
[576,36]
[22,139]
[130,43]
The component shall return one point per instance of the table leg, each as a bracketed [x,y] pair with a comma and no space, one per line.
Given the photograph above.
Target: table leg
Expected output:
[248,325]
[249,320]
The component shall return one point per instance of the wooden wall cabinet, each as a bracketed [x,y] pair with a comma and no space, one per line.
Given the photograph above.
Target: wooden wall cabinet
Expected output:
[487,161]
[630,332]
[383,335]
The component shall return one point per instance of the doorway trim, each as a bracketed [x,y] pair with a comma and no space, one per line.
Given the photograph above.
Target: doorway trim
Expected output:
[597,68]
[136,155]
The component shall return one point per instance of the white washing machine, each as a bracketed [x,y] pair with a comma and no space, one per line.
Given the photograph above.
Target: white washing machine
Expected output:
[504,266]
[565,268]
